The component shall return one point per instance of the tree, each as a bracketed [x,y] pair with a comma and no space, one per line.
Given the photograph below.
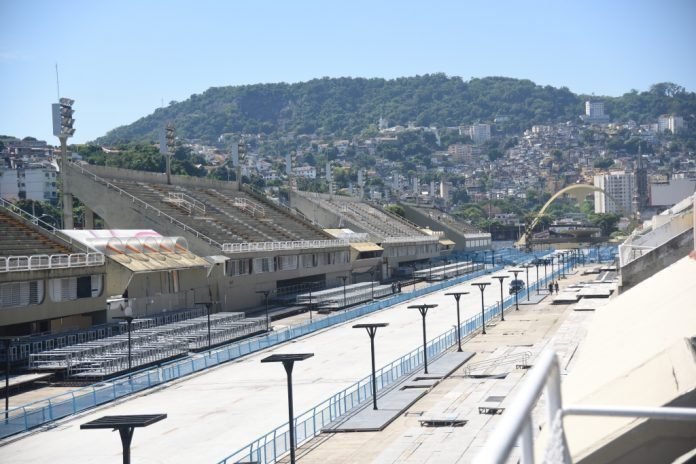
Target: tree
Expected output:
[605,221]
[396,209]
[603,163]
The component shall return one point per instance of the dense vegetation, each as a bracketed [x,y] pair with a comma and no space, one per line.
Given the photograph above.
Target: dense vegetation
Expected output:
[345,107]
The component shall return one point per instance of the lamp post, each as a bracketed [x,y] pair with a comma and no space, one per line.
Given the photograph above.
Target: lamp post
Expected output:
[430,270]
[8,344]
[126,426]
[482,286]
[372,283]
[288,361]
[500,279]
[423,310]
[456,296]
[265,294]
[526,270]
[562,265]
[536,264]
[414,276]
[372,331]
[344,278]
[128,317]
[546,276]
[515,272]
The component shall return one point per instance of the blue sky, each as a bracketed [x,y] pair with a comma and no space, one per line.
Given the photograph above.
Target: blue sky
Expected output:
[120,59]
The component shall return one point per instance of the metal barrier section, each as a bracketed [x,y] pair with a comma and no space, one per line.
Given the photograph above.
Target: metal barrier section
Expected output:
[272,446]
[58,261]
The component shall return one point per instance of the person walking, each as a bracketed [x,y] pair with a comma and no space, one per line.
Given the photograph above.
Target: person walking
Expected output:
[551,288]
[556,286]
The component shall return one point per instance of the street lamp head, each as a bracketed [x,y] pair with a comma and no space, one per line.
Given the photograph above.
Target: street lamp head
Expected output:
[456,294]
[370,325]
[481,285]
[287,357]
[427,306]
[501,278]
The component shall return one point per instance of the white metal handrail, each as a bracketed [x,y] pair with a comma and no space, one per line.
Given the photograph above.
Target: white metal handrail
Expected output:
[145,205]
[516,423]
[411,239]
[58,261]
[187,201]
[288,245]
[248,205]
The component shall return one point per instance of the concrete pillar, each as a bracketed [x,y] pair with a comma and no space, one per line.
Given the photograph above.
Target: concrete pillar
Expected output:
[67,195]
[89,218]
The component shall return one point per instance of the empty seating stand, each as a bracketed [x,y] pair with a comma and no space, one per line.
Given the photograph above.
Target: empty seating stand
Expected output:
[19,239]
[149,344]
[226,216]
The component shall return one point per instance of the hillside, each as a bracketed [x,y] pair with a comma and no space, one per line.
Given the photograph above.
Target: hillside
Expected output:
[344,107]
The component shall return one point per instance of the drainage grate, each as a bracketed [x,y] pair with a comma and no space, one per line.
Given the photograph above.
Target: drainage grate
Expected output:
[495,399]
[443,423]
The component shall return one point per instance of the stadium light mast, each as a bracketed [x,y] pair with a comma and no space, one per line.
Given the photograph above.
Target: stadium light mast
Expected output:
[241,156]
[167,147]
[63,121]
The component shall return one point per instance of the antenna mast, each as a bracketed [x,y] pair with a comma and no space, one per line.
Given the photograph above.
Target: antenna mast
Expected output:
[57,82]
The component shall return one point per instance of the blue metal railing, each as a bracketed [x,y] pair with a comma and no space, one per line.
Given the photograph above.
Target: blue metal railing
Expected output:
[270,447]
[29,416]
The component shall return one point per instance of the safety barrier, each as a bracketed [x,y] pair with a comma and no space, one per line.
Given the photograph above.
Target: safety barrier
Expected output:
[32,415]
[289,245]
[57,261]
[275,444]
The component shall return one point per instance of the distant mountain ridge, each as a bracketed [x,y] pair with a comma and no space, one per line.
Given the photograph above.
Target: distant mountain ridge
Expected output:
[345,107]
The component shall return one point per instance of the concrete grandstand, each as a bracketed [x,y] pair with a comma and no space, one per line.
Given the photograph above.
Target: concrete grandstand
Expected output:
[223,405]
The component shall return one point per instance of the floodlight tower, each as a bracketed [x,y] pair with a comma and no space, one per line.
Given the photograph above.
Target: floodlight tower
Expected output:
[63,121]
[241,154]
[167,147]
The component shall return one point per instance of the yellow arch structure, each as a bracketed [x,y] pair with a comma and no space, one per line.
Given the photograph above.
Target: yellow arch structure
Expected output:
[580,191]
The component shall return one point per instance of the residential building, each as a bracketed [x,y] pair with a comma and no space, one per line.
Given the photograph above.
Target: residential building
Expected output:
[30,181]
[479,133]
[594,111]
[308,172]
[619,186]
[670,122]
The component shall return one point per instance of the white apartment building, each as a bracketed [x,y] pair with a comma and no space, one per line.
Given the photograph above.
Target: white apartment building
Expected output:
[620,186]
[594,109]
[670,122]
[479,133]
[36,181]
[308,172]
[594,112]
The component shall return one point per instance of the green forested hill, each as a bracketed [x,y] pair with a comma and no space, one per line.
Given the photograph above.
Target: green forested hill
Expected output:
[347,106]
